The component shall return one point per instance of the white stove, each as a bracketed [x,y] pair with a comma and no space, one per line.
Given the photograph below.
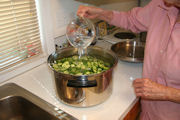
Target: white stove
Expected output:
[120,35]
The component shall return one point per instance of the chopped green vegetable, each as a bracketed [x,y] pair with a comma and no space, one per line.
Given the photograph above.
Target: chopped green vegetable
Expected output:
[85,65]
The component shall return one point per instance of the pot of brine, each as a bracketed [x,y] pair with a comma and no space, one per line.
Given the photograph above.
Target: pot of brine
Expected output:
[83,75]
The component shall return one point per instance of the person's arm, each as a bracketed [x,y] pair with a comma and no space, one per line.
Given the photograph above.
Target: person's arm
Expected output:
[147,89]
[136,20]
[173,94]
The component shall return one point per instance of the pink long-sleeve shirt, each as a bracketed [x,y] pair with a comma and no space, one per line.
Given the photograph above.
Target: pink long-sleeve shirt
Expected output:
[162,52]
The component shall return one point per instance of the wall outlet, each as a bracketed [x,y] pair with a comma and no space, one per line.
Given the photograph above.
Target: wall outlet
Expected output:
[61,41]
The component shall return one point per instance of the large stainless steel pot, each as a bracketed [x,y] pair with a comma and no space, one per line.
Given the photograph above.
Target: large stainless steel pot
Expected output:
[84,90]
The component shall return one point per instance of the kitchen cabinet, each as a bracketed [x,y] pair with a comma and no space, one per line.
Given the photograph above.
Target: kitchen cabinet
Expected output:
[134,112]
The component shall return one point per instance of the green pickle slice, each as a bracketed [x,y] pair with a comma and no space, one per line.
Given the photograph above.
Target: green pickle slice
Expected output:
[85,65]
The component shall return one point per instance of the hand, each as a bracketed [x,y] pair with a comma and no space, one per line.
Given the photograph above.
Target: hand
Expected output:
[89,12]
[93,12]
[147,89]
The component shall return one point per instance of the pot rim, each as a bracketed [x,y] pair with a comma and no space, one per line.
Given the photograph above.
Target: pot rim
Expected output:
[96,74]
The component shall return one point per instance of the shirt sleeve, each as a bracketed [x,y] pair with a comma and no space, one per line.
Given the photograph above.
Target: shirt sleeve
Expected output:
[136,20]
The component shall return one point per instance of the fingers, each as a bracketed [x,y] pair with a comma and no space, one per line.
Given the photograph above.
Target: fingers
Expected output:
[141,82]
[148,89]
[89,12]
[82,11]
[91,16]
[138,83]
[141,87]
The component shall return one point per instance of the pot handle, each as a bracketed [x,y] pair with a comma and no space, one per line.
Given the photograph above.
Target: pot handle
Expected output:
[82,83]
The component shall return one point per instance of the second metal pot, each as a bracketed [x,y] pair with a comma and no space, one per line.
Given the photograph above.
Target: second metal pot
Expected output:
[130,51]
[84,90]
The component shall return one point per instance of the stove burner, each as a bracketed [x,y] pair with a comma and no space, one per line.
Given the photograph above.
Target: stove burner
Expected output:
[124,35]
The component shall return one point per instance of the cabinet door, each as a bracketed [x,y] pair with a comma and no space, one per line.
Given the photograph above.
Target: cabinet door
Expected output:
[133,114]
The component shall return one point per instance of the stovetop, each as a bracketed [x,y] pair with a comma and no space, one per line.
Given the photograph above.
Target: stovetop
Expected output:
[112,38]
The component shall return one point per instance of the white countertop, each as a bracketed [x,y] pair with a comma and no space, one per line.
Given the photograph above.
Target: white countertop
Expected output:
[40,82]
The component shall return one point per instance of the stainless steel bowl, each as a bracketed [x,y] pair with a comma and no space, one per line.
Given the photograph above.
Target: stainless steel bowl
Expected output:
[84,90]
[130,51]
